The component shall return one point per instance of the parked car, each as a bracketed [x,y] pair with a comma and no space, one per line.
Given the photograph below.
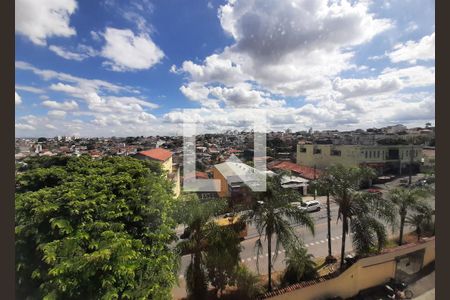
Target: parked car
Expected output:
[404,180]
[310,206]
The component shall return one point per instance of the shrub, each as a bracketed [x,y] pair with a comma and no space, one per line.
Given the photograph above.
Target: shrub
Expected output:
[300,266]
[248,283]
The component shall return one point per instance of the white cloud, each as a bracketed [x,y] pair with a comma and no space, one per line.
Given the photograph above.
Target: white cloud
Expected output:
[39,20]
[412,26]
[50,126]
[417,76]
[127,51]
[30,89]
[114,107]
[82,53]
[95,36]
[82,84]
[350,88]
[67,105]
[412,51]
[22,126]
[285,48]
[215,69]
[58,114]
[18,99]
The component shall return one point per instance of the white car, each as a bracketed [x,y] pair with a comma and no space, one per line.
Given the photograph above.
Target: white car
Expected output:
[310,206]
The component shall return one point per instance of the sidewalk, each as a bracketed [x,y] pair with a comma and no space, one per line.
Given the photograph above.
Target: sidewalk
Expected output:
[429,295]
[424,288]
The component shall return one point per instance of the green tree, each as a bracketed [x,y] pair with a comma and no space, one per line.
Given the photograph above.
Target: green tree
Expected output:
[360,212]
[222,257]
[422,219]
[208,243]
[406,200]
[101,230]
[299,265]
[271,218]
[248,283]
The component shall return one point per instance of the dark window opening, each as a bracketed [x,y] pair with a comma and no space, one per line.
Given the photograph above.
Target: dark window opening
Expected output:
[335,152]
[317,151]
[393,154]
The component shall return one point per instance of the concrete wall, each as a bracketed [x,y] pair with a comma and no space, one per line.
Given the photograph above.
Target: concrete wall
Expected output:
[365,273]
[223,183]
[167,165]
[177,183]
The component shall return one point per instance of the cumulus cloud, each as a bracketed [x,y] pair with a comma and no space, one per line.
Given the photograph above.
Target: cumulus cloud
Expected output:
[239,95]
[350,88]
[286,48]
[107,105]
[127,51]
[214,69]
[18,99]
[417,76]
[67,105]
[58,114]
[412,51]
[39,20]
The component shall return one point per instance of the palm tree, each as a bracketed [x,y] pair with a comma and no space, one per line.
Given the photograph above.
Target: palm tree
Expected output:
[360,212]
[421,220]
[299,265]
[197,219]
[324,185]
[271,217]
[406,200]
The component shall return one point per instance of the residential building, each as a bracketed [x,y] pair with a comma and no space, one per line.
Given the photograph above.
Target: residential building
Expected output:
[163,157]
[233,175]
[160,155]
[393,159]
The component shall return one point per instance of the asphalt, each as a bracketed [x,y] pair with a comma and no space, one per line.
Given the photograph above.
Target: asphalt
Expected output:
[316,244]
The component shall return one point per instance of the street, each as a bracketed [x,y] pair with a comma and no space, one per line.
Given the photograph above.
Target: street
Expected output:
[316,244]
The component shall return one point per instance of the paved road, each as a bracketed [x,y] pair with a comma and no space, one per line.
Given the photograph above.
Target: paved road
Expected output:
[316,244]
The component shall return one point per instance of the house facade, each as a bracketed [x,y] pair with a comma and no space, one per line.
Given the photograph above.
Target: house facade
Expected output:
[384,159]
[164,158]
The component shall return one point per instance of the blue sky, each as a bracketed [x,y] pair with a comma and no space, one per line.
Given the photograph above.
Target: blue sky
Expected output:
[120,68]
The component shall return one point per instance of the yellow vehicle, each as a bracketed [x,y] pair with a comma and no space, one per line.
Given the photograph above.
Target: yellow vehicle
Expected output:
[235,223]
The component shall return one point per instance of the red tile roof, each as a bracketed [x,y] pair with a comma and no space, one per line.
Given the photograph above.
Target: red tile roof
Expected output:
[303,171]
[198,175]
[157,153]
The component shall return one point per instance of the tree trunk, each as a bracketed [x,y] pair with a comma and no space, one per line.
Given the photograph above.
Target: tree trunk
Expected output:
[269,265]
[344,225]
[402,224]
[329,224]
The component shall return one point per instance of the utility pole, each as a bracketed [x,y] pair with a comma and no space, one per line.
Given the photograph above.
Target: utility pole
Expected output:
[330,257]
[410,163]
[315,190]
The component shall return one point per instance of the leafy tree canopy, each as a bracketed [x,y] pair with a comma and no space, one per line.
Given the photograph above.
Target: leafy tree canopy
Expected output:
[94,229]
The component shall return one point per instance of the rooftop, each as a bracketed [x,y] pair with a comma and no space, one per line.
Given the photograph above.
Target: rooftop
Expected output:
[303,171]
[157,154]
